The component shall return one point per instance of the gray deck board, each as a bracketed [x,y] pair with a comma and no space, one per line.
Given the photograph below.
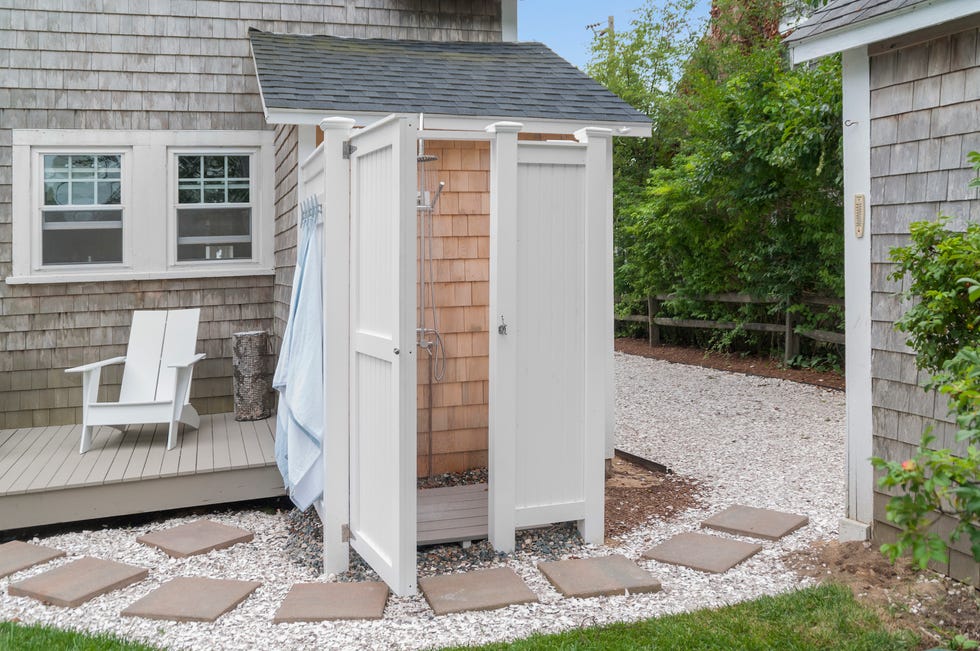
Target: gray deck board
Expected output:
[236,450]
[141,450]
[35,465]
[89,459]
[27,460]
[72,461]
[219,447]
[253,449]
[107,455]
[44,480]
[66,454]
[267,440]
[188,452]
[205,448]
[171,458]
[124,452]
[154,457]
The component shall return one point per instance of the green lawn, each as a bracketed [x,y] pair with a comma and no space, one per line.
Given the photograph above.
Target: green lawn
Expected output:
[825,617]
[41,638]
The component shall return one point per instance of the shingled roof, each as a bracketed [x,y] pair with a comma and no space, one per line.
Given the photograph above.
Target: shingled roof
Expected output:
[846,13]
[505,80]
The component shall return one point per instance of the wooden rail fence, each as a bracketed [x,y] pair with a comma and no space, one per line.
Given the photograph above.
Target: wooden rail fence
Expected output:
[788,328]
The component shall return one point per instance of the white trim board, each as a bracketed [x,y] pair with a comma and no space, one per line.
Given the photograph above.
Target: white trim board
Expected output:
[902,21]
[857,282]
[149,209]
[460,123]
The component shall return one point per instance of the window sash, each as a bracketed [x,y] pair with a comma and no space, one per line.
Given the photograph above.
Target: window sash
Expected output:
[203,191]
[81,209]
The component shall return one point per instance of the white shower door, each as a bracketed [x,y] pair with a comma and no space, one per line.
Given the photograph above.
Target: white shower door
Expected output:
[383,356]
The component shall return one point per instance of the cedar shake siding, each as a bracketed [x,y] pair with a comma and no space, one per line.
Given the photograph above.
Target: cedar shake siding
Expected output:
[160,65]
[925,110]
[287,179]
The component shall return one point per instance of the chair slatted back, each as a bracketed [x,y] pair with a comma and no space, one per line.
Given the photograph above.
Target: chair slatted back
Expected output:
[179,343]
[157,339]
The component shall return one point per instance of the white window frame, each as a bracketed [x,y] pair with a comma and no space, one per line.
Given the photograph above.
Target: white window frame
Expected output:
[125,180]
[149,203]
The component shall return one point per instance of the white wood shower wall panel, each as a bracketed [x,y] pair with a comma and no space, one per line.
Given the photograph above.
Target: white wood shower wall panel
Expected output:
[551,322]
[376,264]
[377,515]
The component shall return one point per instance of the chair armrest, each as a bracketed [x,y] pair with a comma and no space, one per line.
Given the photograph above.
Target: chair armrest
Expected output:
[191,362]
[94,365]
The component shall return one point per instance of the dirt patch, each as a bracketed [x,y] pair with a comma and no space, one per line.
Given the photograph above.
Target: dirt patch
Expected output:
[750,365]
[935,607]
[635,494]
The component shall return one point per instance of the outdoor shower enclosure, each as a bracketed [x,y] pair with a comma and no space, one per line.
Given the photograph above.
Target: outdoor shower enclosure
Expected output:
[550,334]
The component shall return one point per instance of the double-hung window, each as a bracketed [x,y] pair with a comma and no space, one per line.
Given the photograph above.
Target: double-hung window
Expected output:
[81,208]
[101,205]
[214,207]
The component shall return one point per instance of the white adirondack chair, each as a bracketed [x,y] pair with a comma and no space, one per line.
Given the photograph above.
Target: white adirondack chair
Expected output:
[156,382]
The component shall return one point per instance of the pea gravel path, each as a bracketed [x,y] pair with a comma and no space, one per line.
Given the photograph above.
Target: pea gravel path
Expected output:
[756,441]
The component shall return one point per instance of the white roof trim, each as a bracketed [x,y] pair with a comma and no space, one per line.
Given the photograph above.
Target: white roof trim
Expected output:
[889,25]
[462,123]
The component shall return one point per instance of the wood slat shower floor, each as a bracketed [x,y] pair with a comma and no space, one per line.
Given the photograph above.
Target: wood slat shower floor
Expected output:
[452,513]
[44,480]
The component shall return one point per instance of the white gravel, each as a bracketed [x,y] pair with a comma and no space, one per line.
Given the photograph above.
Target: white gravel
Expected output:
[749,440]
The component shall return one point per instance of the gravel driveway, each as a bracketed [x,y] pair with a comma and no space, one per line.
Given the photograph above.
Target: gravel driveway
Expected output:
[749,440]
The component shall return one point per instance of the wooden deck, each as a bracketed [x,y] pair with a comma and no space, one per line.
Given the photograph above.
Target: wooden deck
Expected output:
[452,514]
[44,480]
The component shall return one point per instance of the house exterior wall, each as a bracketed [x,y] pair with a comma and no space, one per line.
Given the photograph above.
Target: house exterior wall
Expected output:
[925,110]
[157,65]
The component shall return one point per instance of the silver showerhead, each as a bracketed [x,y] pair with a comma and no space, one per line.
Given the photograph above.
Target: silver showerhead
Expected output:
[426,158]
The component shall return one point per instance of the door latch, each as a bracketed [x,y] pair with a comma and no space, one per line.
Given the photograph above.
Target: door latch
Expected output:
[502,328]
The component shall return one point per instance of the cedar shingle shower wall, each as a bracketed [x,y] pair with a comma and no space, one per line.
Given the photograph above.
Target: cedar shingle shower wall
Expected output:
[461,269]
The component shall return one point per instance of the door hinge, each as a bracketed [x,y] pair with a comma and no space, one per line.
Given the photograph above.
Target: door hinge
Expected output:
[344,533]
[348,149]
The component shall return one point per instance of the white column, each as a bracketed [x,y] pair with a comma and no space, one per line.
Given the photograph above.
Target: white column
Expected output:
[504,321]
[336,344]
[598,326]
[508,20]
[857,297]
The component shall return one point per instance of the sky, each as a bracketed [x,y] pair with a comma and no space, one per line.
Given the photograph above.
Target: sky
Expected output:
[561,24]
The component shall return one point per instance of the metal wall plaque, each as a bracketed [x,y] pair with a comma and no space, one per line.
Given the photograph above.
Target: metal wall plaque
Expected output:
[859,210]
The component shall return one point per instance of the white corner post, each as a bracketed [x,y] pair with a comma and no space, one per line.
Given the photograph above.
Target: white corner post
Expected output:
[599,370]
[336,344]
[504,327]
[508,20]
[857,291]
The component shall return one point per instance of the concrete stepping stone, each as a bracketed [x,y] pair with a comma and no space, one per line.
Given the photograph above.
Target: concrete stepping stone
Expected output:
[598,577]
[194,538]
[16,556]
[318,602]
[74,584]
[702,552]
[478,590]
[192,599]
[755,523]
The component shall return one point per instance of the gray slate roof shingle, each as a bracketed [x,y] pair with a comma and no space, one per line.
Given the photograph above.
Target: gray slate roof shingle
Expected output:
[508,80]
[845,13]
